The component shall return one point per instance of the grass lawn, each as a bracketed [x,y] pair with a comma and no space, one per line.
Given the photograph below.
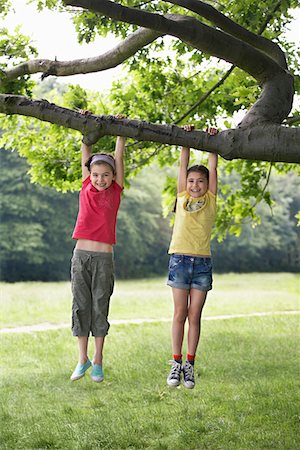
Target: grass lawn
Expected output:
[247,372]
[32,303]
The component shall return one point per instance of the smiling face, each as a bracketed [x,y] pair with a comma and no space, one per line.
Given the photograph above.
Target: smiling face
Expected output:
[101,176]
[197,184]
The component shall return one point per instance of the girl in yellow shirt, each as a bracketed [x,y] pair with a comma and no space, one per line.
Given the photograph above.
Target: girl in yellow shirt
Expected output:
[190,268]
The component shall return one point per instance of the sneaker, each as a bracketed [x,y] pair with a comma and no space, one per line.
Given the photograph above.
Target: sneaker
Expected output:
[188,375]
[97,374]
[173,379]
[80,370]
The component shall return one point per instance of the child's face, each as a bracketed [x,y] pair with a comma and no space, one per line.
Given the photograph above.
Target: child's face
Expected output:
[197,184]
[101,176]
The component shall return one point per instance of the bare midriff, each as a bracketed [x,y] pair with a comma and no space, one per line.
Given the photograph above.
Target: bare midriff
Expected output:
[93,246]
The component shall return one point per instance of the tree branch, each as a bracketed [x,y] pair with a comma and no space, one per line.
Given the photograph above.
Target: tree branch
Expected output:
[192,32]
[112,58]
[205,96]
[234,29]
[282,146]
[275,101]
[229,71]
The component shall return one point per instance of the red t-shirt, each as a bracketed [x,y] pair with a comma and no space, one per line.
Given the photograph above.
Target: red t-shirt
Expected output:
[97,216]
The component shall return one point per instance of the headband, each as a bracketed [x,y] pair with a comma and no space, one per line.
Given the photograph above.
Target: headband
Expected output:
[104,158]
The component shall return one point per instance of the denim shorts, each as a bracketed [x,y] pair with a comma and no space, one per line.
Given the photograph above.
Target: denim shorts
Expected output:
[190,272]
[92,281]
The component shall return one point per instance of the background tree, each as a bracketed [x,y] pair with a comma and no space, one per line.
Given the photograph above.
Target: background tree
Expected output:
[37,224]
[273,245]
[169,81]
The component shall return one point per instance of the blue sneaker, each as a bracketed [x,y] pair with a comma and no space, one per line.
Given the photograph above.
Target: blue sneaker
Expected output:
[80,370]
[97,374]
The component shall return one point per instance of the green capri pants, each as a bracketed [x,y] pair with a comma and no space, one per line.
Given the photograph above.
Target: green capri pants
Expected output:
[92,281]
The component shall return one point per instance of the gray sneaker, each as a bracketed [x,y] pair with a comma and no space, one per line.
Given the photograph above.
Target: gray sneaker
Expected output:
[188,375]
[174,376]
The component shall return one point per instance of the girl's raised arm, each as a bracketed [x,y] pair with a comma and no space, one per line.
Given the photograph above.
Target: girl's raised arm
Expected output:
[119,160]
[119,155]
[212,165]
[184,162]
[86,153]
[182,174]
[213,174]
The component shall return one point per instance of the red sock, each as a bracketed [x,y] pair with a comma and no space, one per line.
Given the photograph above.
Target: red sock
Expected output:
[177,358]
[190,358]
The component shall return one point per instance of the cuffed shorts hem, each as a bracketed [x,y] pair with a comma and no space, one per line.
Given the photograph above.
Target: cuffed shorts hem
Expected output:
[188,287]
[178,285]
[201,288]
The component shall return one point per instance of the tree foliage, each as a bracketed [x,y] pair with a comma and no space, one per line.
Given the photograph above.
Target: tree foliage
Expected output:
[170,78]
[37,224]
[273,244]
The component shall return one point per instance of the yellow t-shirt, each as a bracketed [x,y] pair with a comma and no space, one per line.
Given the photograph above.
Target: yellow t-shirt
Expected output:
[192,228]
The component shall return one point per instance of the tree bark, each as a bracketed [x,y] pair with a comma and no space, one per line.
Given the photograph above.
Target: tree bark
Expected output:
[282,145]
[276,99]
[193,32]
[232,28]
[260,135]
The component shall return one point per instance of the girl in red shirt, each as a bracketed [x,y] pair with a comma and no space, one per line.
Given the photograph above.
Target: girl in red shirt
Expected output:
[92,268]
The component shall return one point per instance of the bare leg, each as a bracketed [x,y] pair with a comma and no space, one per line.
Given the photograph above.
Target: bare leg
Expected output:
[99,343]
[197,301]
[83,346]
[180,299]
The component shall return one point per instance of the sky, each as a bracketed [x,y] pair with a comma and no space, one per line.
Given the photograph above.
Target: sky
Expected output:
[54,36]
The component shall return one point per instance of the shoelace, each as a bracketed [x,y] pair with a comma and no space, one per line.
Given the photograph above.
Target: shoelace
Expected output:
[176,369]
[189,372]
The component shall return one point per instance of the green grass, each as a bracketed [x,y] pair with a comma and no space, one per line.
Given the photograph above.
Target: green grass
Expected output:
[247,373]
[31,303]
